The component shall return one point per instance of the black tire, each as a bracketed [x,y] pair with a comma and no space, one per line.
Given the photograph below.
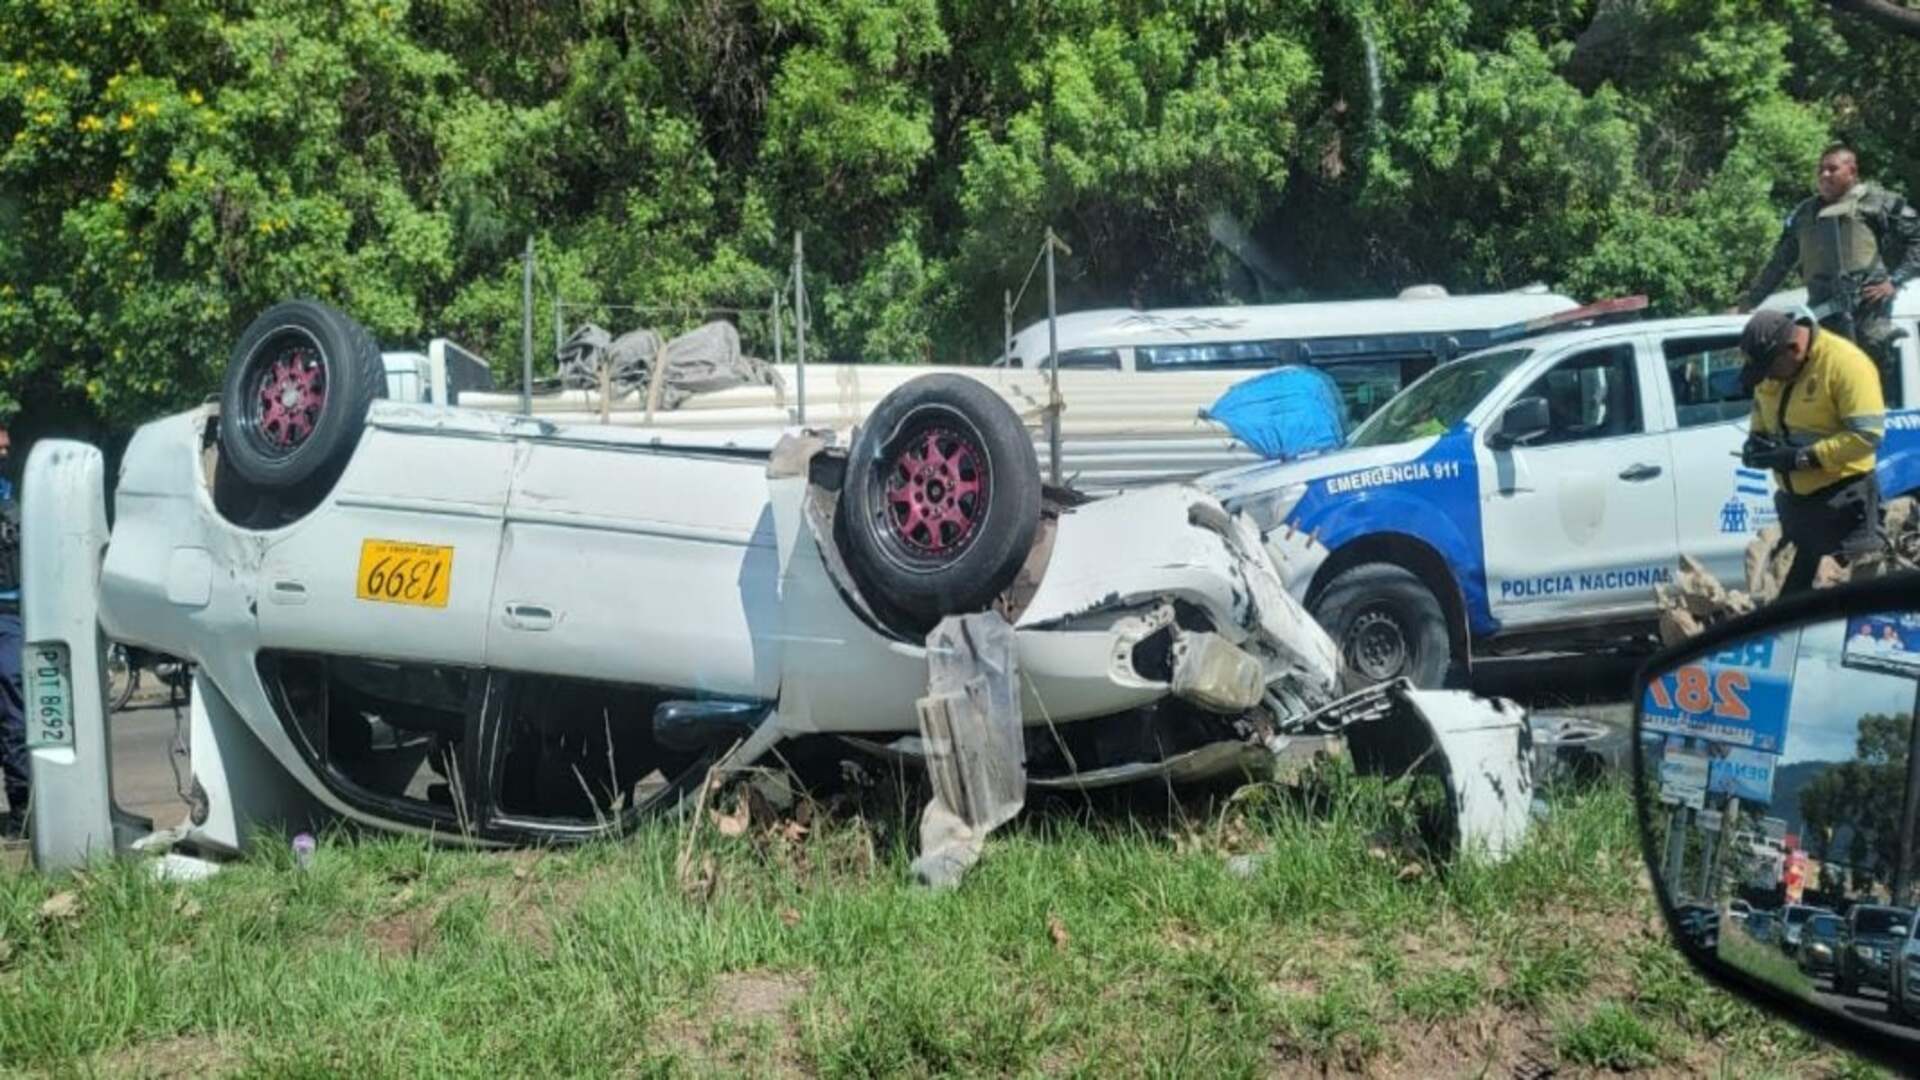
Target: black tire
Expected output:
[1388,624]
[123,679]
[295,399]
[976,469]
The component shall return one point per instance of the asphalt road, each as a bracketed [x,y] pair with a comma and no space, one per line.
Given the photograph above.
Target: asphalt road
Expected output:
[143,780]
[1597,685]
[1870,1009]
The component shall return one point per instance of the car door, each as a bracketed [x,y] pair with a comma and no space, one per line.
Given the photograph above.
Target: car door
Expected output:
[398,562]
[1719,503]
[631,564]
[1577,524]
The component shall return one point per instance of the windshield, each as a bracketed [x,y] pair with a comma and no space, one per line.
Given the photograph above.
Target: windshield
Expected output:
[1439,400]
[1879,921]
[1824,926]
[1798,915]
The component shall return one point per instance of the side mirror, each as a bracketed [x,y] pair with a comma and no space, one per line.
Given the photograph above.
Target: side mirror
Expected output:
[1524,420]
[1793,728]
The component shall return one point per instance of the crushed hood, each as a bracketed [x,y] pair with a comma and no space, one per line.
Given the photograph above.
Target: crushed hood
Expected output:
[1176,542]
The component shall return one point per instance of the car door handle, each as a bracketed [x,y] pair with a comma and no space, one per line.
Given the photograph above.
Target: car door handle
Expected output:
[1640,472]
[529,617]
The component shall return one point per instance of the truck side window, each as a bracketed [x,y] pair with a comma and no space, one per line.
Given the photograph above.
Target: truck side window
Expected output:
[1366,385]
[1590,395]
[1705,374]
[1213,356]
[1087,360]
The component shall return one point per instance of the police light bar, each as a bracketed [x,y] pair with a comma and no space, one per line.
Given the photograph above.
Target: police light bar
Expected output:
[1590,314]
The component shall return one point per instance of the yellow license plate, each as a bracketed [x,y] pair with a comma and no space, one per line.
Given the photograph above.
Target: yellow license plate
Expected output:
[399,572]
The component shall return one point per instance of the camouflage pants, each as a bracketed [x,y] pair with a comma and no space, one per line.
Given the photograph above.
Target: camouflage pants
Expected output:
[1873,331]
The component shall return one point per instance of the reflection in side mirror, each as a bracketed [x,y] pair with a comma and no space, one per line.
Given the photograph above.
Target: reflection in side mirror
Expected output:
[1524,420]
[1779,784]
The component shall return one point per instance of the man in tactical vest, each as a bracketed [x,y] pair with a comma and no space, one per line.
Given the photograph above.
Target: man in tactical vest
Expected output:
[13,717]
[1855,243]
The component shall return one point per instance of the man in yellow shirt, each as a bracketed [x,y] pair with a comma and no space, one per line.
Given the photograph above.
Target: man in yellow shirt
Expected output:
[1818,418]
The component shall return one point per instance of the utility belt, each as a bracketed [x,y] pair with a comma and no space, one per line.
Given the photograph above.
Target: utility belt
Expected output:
[1842,518]
[1826,491]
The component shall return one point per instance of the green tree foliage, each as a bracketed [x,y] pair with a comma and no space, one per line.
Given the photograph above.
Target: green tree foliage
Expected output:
[1861,799]
[169,167]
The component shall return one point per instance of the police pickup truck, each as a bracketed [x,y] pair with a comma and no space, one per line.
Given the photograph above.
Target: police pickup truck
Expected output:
[1530,496]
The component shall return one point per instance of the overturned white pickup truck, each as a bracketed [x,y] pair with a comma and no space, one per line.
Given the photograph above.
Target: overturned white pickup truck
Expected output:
[494,629]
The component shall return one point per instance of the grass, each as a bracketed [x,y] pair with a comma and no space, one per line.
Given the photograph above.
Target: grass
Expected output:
[1084,943]
[1765,962]
[1612,1036]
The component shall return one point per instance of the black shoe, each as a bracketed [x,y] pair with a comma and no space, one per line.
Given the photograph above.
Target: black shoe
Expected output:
[13,826]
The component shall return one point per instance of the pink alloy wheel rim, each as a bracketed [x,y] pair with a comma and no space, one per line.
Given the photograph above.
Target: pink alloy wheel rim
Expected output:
[290,395]
[936,492]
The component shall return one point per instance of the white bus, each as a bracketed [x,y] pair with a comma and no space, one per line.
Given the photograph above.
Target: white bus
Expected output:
[1372,348]
[1120,428]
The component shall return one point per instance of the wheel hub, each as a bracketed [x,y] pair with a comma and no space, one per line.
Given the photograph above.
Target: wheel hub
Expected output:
[936,492]
[1376,646]
[292,391]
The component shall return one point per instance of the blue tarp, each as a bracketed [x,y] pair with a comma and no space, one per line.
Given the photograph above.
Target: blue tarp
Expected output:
[1283,413]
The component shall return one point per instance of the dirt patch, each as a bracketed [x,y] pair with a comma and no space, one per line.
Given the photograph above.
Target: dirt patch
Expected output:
[747,1026]
[750,996]
[1485,1042]
[525,908]
[182,1055]
[402,936]
[520,906]
[522,921]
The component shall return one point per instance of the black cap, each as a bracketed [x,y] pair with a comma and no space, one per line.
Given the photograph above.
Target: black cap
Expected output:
[1767,332]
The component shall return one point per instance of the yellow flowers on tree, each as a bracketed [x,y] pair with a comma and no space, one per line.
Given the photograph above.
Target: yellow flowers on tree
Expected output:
[168,169]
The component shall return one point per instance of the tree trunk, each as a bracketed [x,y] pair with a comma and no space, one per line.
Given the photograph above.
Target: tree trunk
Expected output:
[1883,13]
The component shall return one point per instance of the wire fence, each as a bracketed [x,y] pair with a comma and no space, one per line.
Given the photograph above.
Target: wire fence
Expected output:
[784,318]
[764,329]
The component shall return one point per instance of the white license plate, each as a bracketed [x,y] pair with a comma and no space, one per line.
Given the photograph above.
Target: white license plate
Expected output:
[49,696]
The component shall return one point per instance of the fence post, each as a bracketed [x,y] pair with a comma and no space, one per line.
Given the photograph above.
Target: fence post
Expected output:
[800,325]
[1053,365]
[779,396]
[1006,311]
[606,384]
[526,328]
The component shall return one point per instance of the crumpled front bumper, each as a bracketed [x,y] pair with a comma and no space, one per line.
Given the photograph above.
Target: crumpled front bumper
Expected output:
[1481,749]
[1160,591]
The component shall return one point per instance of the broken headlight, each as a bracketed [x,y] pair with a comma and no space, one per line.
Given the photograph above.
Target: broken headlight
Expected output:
[1269,509]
